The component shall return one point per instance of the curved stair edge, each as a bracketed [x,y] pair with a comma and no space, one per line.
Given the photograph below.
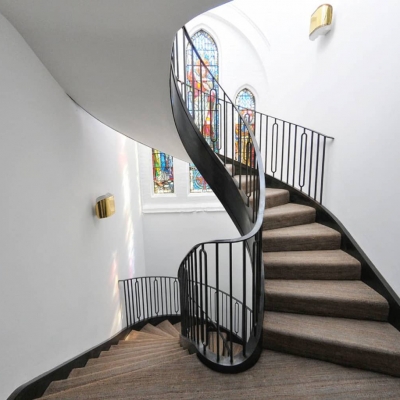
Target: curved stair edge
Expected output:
[370,274]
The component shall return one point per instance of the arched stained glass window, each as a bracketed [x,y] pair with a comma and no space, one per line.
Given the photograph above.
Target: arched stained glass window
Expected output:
[202,97]
[163,173]
[246,103]
[245,100]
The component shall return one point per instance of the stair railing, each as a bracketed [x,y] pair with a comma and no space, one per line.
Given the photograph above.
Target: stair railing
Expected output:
[221,143]
[150,297]
[291,153]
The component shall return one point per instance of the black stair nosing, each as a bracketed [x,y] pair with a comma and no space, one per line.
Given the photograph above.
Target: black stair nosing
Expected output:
[369,272]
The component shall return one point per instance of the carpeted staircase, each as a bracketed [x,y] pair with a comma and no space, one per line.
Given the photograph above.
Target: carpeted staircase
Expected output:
[150,364]
[316,307]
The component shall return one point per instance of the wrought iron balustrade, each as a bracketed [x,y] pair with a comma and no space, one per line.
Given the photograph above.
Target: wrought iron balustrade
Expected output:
[221,143]
[150,297]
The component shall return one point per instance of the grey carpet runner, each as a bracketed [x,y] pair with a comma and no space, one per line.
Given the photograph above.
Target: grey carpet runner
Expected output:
[157,368]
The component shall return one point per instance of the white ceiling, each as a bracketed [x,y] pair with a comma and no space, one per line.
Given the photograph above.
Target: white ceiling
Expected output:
[112,57]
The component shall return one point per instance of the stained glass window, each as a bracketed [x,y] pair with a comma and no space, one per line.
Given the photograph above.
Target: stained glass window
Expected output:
[203,97]
[197,182]
[246,103]
[163,173]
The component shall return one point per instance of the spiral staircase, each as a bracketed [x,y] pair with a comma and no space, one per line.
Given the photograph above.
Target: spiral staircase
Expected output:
[293,284]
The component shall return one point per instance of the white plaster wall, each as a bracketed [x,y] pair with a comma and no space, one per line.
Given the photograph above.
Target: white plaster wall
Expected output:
[174,223]
[59,263]
[345,85]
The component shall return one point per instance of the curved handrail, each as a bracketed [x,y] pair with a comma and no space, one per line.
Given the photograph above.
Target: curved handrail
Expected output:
[244,201]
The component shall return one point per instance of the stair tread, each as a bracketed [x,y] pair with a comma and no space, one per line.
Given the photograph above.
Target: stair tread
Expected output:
[329,258]
[67,384]
[177,326]
[376,336]
[302,237]
[289,214]
[133,335]
[167,327]
[275,197]
[313,229]
[334,290]
[317,264]
[121,349]
[350,299]
[115,354]
[163,339]
[133,359]
[149,328]
[124,385]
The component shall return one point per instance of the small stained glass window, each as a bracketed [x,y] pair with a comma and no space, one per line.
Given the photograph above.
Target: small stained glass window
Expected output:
[246,103]
[163,173]
[202,97]
[197,182]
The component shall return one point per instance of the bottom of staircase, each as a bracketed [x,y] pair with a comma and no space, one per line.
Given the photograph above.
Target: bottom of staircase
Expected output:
[150,364]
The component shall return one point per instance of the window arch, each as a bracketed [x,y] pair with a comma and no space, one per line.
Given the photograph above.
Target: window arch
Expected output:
[246,103]
[245,99]
[202,99]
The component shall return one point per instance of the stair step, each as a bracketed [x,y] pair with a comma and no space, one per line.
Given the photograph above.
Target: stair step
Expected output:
[177,326]
[245,182]
[367,345]
[126,386]
[72,383]
[134,335]
[115,349]
[122,348]
[290,214]
[145,342]
[167,327]
[237,348]
[214,340]
[322,264]
[303,237]
[148,328]
[94,368]
[276,197]
[344,299]
[115,355]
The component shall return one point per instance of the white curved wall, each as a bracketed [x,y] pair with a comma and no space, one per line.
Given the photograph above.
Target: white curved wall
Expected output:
[345,85]
[112,58]
[59,263]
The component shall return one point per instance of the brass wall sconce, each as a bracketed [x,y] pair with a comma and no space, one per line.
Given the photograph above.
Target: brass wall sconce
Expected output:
[321,21]
[105,206]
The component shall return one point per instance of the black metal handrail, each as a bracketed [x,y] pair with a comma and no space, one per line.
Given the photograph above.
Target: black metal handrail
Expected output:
[222,136]
[150,297]
[290,152]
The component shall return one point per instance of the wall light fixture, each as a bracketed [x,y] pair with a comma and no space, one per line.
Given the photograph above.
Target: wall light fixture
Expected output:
[321,21]
[105,206]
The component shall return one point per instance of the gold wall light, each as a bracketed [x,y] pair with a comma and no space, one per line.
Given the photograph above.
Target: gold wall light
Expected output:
[321,21]
[105,206]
